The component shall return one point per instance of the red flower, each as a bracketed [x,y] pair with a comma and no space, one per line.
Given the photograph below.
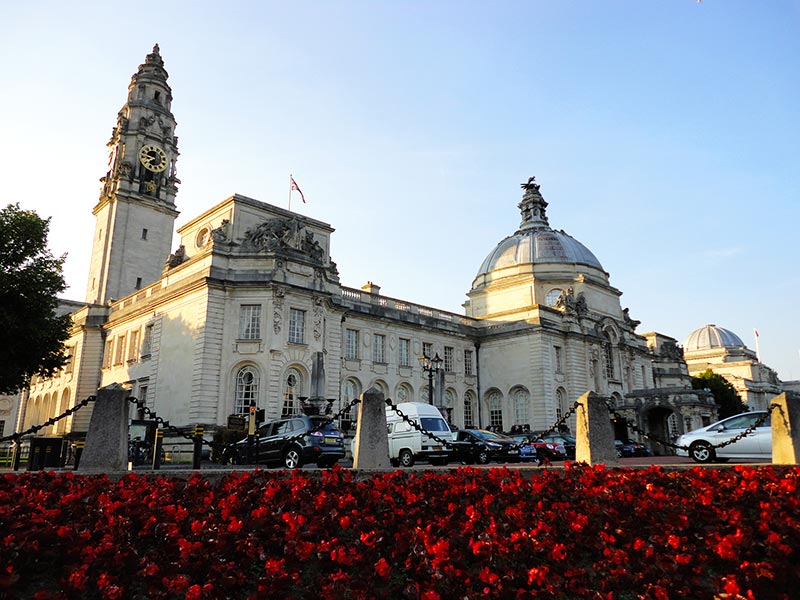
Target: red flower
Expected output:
[382,568]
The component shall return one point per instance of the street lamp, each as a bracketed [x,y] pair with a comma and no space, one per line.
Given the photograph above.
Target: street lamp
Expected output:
[430,366]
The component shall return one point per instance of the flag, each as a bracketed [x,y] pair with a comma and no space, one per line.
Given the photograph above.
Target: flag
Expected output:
[756,332]
[297,187]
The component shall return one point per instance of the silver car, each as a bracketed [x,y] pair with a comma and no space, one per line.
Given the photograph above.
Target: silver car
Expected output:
[757,444]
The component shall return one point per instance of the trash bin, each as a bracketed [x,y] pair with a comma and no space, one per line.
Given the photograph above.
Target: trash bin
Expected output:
[44,453]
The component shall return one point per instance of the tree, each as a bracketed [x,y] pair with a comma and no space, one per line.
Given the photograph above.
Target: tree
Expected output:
[32,334]
[730,403]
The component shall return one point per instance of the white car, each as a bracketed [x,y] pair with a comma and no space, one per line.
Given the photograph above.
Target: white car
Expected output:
[757,444]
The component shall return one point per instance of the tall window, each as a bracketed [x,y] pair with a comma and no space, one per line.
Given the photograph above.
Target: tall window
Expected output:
[297,325]
[133,346]
[351,344]
[147,341]
[427,349]
[469,403]
[352,390]
[246,390]
[378,348]
[109,349]
[70,364]
[561,403]
[468,368]
[521,406]
[495,411]
[644,377]
[291,392]
[448,359]
[120,354]
[405,352]
[250,322]
[557,357]
[609,357]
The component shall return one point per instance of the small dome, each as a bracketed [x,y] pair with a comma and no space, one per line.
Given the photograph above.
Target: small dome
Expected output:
[711,336]
[535,246]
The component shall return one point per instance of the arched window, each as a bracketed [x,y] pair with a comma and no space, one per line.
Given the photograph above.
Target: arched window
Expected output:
[61,426]
[495,403]
[469,409]
[292,390]
[609,356]
[246,389]
[404,393]
[351,391]
[561,403]
[522,402]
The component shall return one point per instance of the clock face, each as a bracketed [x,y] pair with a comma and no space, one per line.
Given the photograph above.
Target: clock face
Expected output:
[153,158]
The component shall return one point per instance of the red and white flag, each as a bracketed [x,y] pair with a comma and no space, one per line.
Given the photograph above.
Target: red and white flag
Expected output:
[756,332]
[294,187]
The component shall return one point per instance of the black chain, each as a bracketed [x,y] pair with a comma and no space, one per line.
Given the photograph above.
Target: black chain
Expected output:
[555,427]
[14,437]
[172,428]
[636,429]
[416,425]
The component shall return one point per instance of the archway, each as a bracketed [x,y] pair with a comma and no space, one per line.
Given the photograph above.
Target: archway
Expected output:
[656,421]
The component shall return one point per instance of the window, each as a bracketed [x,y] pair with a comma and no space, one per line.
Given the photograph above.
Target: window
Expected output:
[120,350]
[291,391]
[559,366]
[352,390]
[138,283]
[496,411]
[521,406]
[405,352]
[297,325]
[144,234]
[109,349]
[468,368]
[551,299]
[448,359]
[427,349]
[469,402]
[351,344]
[70,364]
[133,346]
[246,390]
[561,403]
[2,428]
[148,340]
[644,377]
[378,348]
[609,357]
[250,322]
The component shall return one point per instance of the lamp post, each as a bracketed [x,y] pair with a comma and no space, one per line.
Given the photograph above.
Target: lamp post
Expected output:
[430,366]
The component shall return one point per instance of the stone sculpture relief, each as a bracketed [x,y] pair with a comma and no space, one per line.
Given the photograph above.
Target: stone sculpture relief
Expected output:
[283,234]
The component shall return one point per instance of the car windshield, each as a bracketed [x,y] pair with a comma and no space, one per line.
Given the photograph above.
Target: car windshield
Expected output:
[434,424]
[326,427]
[488,435]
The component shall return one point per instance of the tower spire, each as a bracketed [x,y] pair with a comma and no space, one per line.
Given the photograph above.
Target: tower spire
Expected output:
[532,206]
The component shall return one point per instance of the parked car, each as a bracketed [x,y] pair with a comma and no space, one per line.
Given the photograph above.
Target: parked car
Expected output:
[640,449]
[282,442]
[548,451]
[624,449]
[482,447]
[407,445]
[757,444]
[527,449]
[559,438]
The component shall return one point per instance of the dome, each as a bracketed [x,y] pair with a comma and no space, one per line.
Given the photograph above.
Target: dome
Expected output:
[711,336]
[536,242]
[538,246]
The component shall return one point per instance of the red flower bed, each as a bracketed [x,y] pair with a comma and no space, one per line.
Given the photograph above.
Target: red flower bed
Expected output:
[580,532]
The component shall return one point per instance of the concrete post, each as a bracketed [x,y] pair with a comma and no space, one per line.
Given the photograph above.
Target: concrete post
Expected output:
[786,429]
[372,439]
[594,436]
[107,439]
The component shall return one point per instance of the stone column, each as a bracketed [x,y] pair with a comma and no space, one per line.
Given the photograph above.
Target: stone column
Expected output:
[372,439]
[595,434]
[107,438]
[786,429]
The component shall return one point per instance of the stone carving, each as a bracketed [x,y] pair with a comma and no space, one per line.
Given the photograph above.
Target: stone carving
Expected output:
[569,303]
[150,187]
[178,257]
[277,317]
[671,350]
[318,313]
[281,235]
[221,233]
[632,323]
[530,185]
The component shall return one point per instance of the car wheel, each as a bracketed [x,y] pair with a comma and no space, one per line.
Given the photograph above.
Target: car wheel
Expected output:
[406,458]
[291,459]
[483,457]
[701,452]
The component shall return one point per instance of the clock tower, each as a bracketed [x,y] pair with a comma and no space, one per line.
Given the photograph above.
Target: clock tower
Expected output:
[136,213]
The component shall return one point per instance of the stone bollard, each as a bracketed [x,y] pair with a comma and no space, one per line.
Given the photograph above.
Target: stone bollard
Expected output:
[107,439]
[786,429]
[595,434]
[372,439]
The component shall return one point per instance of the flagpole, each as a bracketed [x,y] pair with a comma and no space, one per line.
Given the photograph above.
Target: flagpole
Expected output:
[758,353]
[290,192]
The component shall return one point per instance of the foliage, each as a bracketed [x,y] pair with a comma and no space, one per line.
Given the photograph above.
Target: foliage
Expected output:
[580,532]
[32,335]
[726,396]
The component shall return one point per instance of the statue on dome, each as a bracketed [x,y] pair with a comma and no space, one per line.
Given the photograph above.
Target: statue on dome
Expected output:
[531,185]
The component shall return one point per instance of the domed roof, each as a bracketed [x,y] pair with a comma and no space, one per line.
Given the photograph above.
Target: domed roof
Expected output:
[711,336]
[535,242]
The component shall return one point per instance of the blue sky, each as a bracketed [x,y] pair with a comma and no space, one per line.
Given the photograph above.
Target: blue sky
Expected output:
[664,135]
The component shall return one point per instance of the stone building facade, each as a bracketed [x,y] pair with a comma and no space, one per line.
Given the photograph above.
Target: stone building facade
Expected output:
[250,301]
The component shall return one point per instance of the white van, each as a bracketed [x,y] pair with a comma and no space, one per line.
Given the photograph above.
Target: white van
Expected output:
[406,444]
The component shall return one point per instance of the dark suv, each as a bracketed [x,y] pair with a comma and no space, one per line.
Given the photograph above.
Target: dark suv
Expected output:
[283,442]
